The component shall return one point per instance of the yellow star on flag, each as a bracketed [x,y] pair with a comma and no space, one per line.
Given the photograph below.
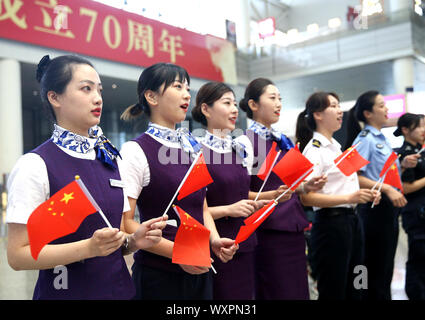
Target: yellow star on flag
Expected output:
[67,197]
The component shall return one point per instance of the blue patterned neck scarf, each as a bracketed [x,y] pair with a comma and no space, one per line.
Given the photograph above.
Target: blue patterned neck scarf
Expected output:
[182,135]
[226,144]
[105,151]
[271,134]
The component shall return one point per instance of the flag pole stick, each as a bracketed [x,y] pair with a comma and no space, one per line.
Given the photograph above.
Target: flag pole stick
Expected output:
[94,203]
[268,174]
[377,182]
[340,160]
[420,151]
[183,181]
[379,189]
[267,211]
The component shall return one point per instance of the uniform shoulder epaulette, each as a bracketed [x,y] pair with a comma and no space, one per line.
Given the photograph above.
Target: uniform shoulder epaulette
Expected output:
[364,133]
[316,143]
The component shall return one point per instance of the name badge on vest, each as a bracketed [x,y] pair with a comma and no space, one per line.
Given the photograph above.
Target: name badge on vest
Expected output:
[116,183]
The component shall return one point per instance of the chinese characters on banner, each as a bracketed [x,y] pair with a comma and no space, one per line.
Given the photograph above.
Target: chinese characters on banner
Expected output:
[97,30]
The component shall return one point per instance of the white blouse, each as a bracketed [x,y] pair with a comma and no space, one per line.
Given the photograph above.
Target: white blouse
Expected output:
[323,156]
[134,168]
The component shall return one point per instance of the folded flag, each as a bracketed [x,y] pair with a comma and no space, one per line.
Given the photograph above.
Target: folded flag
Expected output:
[58,216]
[197,178]
[192,242]
[350,161]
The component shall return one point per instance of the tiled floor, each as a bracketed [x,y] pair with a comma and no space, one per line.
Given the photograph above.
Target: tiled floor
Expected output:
[19,285]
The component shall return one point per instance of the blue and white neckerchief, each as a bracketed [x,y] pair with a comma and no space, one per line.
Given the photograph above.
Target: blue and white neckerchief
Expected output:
[271,134]
[105,150]
[182,135]
[226,144]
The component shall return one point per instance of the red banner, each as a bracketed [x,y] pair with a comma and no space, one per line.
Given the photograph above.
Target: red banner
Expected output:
[94,29]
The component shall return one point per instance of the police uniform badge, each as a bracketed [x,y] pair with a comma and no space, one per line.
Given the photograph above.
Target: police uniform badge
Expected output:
[364,133]
[316,143]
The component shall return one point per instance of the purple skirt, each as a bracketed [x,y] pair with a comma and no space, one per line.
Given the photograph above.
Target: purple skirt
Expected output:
[281,266]
[235,279]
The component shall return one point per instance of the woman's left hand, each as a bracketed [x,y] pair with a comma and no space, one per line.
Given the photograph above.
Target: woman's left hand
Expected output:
[315,184]
[410,161]
[224,248]
[149,232]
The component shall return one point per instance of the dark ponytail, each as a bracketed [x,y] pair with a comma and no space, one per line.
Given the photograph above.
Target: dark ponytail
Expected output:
[55,75]
[365,102]
[306,125]
[152,78]
[303,131]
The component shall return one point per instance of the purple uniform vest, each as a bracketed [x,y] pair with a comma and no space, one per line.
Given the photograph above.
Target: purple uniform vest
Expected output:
[165,178]
[94,278]
[231,184]
[289,215]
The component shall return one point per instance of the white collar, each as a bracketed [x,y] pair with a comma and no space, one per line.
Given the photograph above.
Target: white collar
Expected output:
[218,144]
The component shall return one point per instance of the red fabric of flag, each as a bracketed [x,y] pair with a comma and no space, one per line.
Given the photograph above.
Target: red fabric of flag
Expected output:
[391,159]
[268,162]
[198,178]
[291,167]
[192,242]
[393,178]
[57,217]
[251,223]
[351,163]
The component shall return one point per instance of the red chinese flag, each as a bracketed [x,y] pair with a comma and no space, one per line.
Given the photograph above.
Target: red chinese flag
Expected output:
[57,217]
[291,167]
[254,221]
[192,242]
[393,178]
[268,162]
[351,163]
[198,178]
[391,159]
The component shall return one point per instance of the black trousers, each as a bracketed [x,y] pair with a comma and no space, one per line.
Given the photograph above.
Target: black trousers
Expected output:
[336,249]
[381,229]
[156,284]
[413,217]
[415,267]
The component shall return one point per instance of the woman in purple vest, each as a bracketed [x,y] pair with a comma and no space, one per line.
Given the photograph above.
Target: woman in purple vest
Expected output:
[156,163]
[281,266]
[92,264]
[227,197]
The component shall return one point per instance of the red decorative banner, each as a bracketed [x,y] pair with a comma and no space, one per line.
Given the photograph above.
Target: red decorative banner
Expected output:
[94,29]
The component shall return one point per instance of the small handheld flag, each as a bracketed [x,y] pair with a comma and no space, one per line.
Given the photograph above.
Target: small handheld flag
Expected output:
[350,161]
[60,215]
[191,244]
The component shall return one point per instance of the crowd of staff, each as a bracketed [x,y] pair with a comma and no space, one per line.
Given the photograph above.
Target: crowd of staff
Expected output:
[354,224]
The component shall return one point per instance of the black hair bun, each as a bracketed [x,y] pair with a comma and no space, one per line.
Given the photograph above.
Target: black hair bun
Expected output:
[42,66]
